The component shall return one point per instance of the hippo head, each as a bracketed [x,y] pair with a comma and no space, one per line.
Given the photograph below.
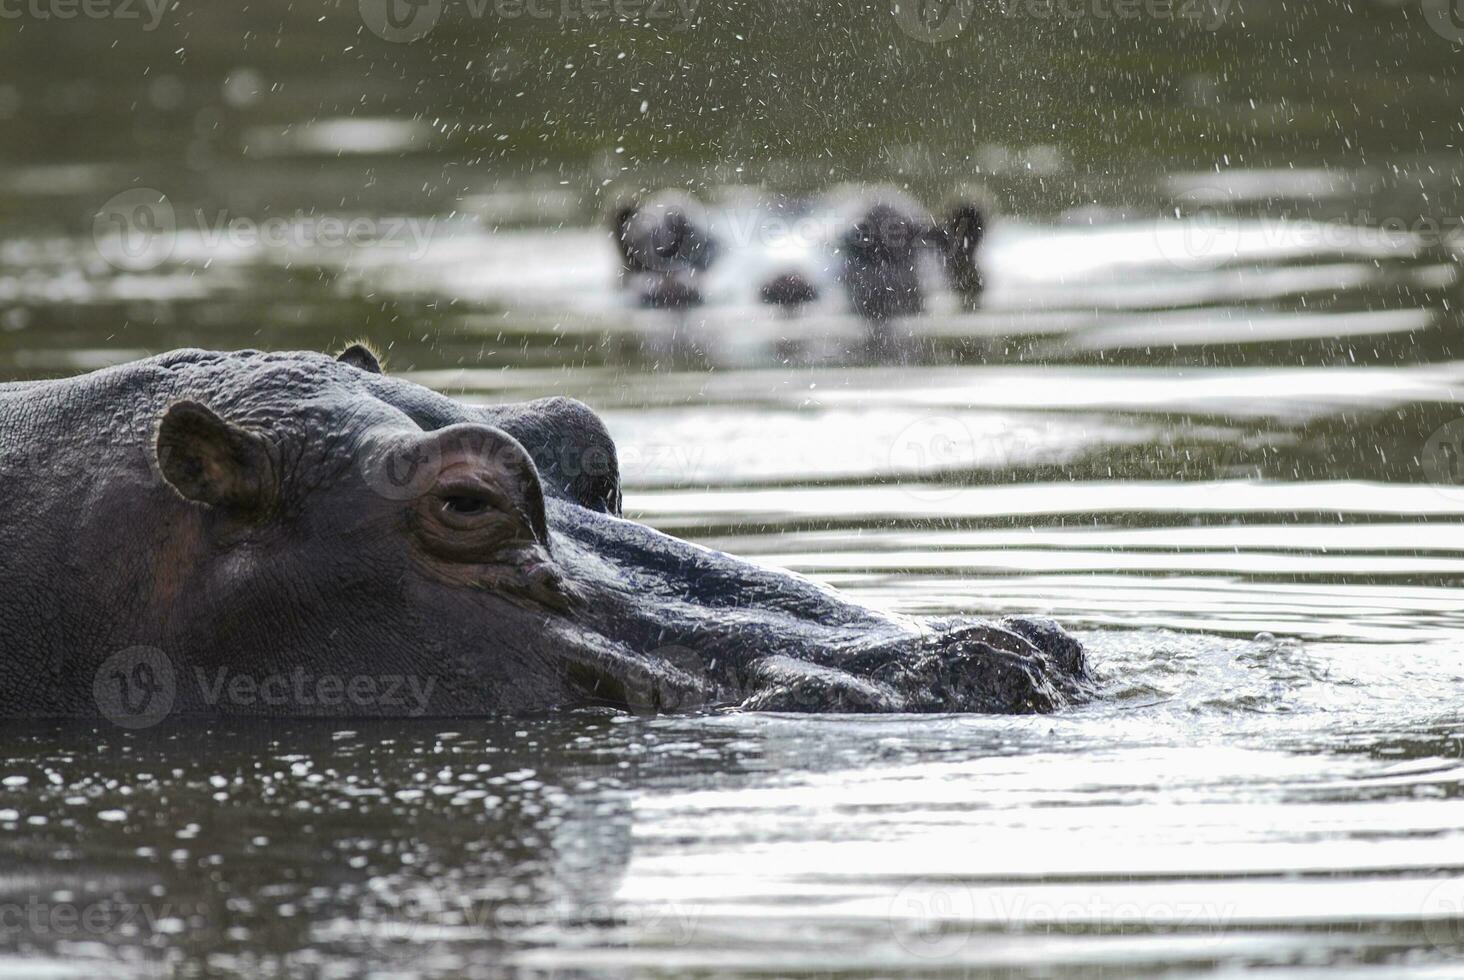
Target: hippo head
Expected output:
[667,232]
[300,515]
[885,234]
[880,269]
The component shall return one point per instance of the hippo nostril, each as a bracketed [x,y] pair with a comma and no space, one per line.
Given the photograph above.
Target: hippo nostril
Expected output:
[978,676]
[1020,665]
[546,585]
[789,290]
[671,293]
[1055,642]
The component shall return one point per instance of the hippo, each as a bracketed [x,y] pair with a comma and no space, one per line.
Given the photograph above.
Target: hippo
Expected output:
[881,268]
[959,240]
[290,534]
[880,254]
[664,244]
[788,291]
[873,249]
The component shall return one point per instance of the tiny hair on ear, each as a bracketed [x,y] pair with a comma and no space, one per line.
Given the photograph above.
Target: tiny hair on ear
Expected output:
[360,354]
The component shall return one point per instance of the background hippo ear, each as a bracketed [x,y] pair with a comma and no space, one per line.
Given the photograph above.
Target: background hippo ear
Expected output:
[214,462]
[361,356]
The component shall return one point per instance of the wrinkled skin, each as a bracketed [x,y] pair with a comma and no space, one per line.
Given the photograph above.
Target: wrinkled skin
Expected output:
[273,513]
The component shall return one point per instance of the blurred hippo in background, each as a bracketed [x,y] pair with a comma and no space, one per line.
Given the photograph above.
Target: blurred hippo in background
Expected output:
[222,533]
[959,240]
[875,249]
[664,243]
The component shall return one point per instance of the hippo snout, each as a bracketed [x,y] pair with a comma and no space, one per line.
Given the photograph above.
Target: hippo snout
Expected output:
[1015,666]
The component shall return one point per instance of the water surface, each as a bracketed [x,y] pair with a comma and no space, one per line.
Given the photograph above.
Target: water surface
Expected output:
[1219,473]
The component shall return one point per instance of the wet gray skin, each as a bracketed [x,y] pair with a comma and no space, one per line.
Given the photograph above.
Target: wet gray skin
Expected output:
[292,514]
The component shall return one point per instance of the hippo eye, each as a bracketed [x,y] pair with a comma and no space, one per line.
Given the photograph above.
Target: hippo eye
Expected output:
[464,504]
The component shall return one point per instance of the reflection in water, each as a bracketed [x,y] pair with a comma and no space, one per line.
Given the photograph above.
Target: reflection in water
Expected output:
[772,843]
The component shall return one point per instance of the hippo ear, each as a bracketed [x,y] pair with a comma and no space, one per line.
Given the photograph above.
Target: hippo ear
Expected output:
[360,356]
[214,462]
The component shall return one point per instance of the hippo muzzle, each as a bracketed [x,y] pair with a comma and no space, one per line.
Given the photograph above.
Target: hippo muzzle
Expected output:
[697,627]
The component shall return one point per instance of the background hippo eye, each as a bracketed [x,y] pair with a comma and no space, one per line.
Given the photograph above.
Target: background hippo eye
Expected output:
[461,503]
